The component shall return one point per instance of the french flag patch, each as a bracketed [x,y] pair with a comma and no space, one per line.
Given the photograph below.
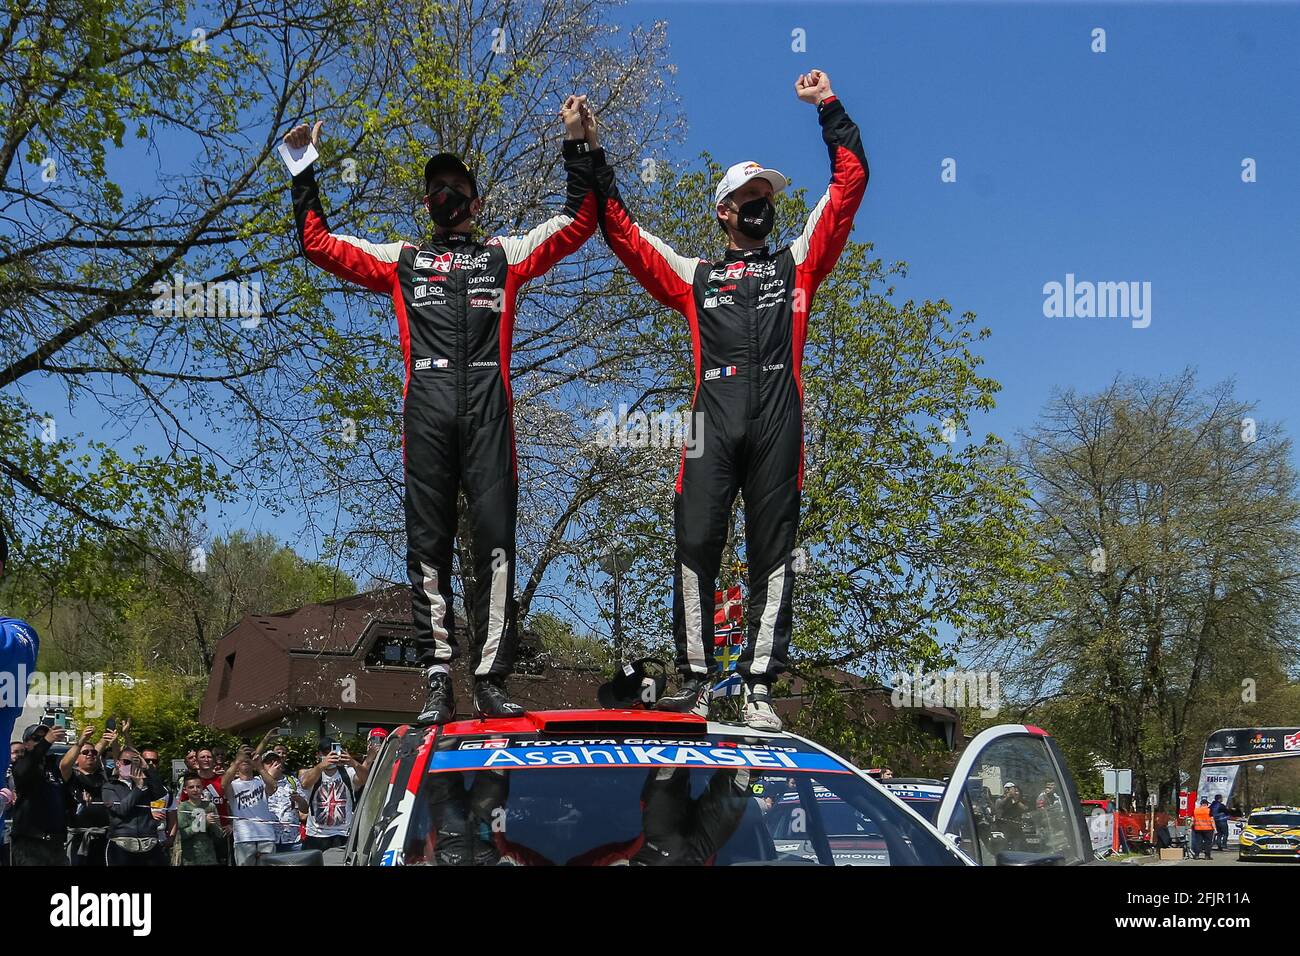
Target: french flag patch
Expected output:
[725,372]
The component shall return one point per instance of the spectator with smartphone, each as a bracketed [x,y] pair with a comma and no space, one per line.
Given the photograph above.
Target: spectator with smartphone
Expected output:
[89,824]
[198,826]
[287,802]
[132,824]
[40,820]
[247,785]
[331,787]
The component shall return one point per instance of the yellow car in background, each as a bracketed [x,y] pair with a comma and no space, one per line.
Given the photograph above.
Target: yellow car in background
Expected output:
[1271,833]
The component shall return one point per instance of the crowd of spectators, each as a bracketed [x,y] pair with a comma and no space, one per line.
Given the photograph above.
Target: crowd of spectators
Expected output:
[103,800]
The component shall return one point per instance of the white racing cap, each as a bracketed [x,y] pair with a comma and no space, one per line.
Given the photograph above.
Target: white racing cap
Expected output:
[742,173]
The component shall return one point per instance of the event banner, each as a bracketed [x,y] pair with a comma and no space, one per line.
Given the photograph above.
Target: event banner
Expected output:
[1217,780]
[1251,743]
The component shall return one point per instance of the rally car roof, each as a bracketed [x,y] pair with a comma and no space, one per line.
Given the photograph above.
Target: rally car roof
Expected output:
[596,720]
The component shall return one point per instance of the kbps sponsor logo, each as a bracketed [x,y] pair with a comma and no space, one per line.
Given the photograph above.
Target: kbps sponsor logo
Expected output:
[635,429]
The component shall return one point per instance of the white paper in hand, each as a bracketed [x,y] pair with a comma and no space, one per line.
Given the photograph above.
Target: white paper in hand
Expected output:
[298,159]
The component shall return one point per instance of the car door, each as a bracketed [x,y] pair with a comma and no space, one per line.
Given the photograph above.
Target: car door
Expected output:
[1011,801]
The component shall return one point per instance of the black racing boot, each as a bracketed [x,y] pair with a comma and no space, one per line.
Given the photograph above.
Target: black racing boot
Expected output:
[439,699]
[686,698]
[491,699]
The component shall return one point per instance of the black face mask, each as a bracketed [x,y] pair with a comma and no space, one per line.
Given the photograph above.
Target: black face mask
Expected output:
[448,206]
[756,218]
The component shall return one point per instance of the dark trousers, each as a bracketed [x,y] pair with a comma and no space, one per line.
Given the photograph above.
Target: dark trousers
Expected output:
[446,452]
[323,843]
[1221,834]
[760,458]
[31,851]
[1201,842]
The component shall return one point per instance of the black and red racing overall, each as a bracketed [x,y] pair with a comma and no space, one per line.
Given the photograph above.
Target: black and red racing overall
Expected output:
[748,315]
[455,303]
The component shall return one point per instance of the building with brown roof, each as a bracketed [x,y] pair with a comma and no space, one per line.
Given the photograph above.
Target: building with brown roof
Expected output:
[342,667]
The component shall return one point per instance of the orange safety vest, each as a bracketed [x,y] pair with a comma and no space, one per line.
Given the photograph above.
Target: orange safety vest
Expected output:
[1202,820]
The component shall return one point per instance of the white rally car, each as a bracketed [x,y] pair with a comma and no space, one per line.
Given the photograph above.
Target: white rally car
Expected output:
[611,787]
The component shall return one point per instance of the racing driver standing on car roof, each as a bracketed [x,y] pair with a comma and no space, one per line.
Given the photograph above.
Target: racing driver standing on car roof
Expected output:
[455,302]
[748,315]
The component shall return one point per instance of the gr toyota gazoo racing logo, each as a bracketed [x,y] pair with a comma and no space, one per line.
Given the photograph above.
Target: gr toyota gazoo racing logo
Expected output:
[491,743]
[446,261]
[437,261]
[732,270]
[757,269]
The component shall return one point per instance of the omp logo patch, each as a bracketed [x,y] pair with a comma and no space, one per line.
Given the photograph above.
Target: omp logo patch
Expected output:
[725,371]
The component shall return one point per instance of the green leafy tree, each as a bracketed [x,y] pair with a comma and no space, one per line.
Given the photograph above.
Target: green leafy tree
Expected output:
[1171,521]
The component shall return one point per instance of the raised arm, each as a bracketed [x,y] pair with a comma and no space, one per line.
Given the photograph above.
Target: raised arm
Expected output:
[368,264]
[819,246]
[69,761]
[661,271]
[535,252]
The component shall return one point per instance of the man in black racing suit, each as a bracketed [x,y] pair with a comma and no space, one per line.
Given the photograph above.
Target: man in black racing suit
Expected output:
[748,315]
[454,298]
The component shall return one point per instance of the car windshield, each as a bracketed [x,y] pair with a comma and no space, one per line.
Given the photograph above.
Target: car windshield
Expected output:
[923,798]
[1289,820]
[699,802]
